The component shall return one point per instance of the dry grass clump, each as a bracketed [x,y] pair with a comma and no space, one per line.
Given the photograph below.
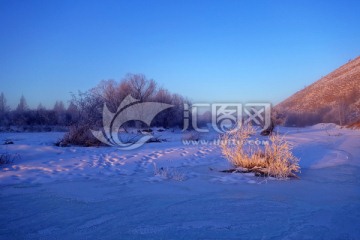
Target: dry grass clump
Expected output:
[7,158]
[274,159]
[281,162]
[169,174]
[79,135]
[233,147]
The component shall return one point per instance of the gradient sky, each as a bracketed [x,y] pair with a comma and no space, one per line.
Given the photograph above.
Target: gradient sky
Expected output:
[209,51]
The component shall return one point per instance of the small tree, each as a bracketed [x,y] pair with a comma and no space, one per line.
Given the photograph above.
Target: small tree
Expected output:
[3,105]
[72,114]
[22,106]
[141,88]
[4,110]
[59,110]
[41,115]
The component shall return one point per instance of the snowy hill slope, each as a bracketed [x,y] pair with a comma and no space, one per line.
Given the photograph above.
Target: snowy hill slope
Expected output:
[336,93]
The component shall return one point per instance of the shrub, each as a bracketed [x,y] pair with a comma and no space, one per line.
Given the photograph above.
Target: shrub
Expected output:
[233,148]
[275,159]
[280,161]
[79,135]
[7,158]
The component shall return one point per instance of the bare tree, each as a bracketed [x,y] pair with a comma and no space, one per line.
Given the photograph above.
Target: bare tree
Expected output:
[3,105]
[141,88]
[89,106]
[72,113]
[4,109]
[163,96]
[41,107]
[22,106]
[176,117]
[59,107]
[42,117]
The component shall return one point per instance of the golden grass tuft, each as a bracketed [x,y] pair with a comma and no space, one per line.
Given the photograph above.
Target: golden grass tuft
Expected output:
[275,159]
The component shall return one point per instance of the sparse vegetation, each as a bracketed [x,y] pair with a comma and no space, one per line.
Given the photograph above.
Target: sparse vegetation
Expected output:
[167,173]
[79,135]
[191,136]
[7,158]
[354,125]
[275,159]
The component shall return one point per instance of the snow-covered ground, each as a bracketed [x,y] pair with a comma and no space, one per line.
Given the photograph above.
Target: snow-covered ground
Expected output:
[174,191]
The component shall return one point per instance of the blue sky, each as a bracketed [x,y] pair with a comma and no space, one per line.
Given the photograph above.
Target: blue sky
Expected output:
[209,51]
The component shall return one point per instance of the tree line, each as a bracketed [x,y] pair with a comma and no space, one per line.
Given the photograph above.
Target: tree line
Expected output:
[26,118]
[85,109]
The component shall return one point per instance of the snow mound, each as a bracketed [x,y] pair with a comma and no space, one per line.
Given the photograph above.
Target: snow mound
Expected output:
[325,126]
